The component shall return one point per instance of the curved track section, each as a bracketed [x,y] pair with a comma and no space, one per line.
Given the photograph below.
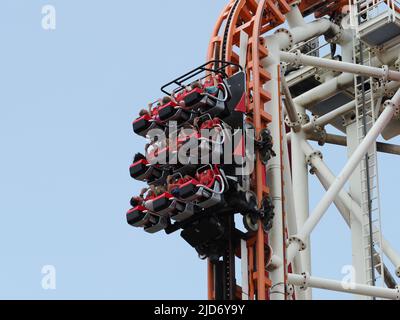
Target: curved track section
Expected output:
[250,19]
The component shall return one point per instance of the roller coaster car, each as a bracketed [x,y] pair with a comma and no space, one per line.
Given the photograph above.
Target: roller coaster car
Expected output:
[160,157]
[173,112]
[209,102]
[156,224]
[182,211]
[143,171]
[216,127]
[166,205]
[140,217]
[162,205]
[215,105]
[193,98]
[142,125]
[185,169]
[190,139]
[195,139]
[205,190]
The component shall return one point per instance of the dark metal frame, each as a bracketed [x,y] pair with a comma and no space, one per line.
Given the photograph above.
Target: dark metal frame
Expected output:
[219,68]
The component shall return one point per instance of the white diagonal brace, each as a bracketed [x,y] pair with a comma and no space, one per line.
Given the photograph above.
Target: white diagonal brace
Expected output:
[346,203]
[297,242]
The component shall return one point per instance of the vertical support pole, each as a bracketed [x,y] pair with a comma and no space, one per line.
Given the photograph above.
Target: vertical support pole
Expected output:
[301,196]
[260,257]
[251,270]
[229,262]
[219,280]
[210,280]
[297,267]
[274,172]
[245,270]
[358,252]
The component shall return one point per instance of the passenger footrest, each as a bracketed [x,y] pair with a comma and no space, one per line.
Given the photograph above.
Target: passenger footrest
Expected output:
[157,224]
[183,211]
[210,198]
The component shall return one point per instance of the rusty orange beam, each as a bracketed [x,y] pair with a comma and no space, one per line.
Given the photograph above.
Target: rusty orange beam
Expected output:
[210,279]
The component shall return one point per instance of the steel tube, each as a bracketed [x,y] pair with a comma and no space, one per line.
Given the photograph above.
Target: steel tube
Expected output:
[274,169]
[301,195]
[314,282]
[290,106]
[291,214]
[286,39]
[295,18]
[340,66]
[327,118]
[341,141]
[324,90]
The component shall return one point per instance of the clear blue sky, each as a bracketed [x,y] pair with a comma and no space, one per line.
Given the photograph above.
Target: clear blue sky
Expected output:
[67,99]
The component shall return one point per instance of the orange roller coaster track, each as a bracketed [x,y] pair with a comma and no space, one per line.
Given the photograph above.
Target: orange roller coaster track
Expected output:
[253,19]
[249,20]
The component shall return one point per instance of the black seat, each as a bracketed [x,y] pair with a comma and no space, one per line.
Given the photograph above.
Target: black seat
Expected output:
[138,217]
[193,98]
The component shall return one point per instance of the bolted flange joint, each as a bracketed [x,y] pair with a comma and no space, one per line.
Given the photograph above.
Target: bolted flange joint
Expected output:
[303,118]
[390,104]
[397,64]
[309,159]
[306,278]
[300,242]
[291,42]
[291,124]
[319,131]
[289,290]
[336,38]
[385,75]
[297,59]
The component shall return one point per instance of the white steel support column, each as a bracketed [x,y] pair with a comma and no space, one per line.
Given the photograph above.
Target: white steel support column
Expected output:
[298,265]
[274,172]
[245,271]
[358,252]
[301,196]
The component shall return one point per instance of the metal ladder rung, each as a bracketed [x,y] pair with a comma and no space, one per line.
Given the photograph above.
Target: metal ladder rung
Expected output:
[365,119]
